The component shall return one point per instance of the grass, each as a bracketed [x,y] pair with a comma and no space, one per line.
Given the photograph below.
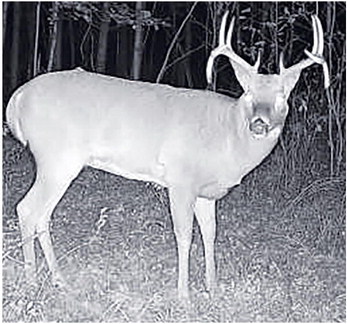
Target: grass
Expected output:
[280,251]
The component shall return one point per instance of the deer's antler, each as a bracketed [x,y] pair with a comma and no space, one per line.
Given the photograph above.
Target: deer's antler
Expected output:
[224,48]
[315,56]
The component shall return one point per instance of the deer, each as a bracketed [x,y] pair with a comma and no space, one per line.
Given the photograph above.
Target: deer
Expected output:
[196,143]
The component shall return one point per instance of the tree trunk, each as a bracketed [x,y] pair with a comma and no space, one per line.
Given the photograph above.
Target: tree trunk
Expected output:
[101,59]
[187,62]
[4,21]
[72,44]
[30,23]
[36,66]
[15,45]
[59,50]
[53,38]
[123,52]
[137,58]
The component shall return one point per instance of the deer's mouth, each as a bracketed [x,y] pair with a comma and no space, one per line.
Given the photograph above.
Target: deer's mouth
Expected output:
[259,128]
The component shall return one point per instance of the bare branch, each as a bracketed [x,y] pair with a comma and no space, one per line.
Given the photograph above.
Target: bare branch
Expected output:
[162,70]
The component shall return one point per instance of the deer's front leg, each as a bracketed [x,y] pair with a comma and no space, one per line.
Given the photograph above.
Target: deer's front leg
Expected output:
[205,212]
[181,204]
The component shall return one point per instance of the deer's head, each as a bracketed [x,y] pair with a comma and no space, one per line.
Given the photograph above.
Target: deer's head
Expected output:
[264,101]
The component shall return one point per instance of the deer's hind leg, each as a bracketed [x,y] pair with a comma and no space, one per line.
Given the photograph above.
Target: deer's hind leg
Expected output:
[53,177]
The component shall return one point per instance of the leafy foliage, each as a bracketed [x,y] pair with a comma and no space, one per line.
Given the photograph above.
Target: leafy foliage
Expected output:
[122,14]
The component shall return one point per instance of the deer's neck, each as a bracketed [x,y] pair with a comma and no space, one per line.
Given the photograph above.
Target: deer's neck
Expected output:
[245,151]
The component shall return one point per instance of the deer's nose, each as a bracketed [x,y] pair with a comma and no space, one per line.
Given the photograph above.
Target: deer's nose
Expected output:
[259,127]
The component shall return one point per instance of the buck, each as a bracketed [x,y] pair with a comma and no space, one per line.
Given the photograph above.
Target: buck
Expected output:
[196,143]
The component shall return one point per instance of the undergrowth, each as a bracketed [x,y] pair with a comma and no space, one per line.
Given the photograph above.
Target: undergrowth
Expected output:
[280,250]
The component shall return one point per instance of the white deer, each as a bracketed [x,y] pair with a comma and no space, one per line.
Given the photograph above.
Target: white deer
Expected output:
[197,143]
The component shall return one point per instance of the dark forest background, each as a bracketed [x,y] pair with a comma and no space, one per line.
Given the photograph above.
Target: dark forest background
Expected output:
[169,42]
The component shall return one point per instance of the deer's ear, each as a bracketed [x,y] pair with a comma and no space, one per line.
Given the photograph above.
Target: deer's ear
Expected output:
[290,79]
[243,75]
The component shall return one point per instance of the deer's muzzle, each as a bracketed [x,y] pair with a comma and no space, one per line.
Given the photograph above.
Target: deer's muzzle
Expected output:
[258,127]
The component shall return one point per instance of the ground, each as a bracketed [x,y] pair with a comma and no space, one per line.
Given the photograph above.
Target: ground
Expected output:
[280,251]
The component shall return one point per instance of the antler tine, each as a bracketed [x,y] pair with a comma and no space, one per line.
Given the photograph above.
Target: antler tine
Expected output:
[224,48]
[318,39]
[230,32]
[257,63]
[315,56]
[233,56]
[217,51]
[315,34]
[317,51]
[222,29]
[209,68]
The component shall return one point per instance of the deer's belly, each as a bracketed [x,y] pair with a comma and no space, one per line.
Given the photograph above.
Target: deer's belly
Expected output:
[135,169]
